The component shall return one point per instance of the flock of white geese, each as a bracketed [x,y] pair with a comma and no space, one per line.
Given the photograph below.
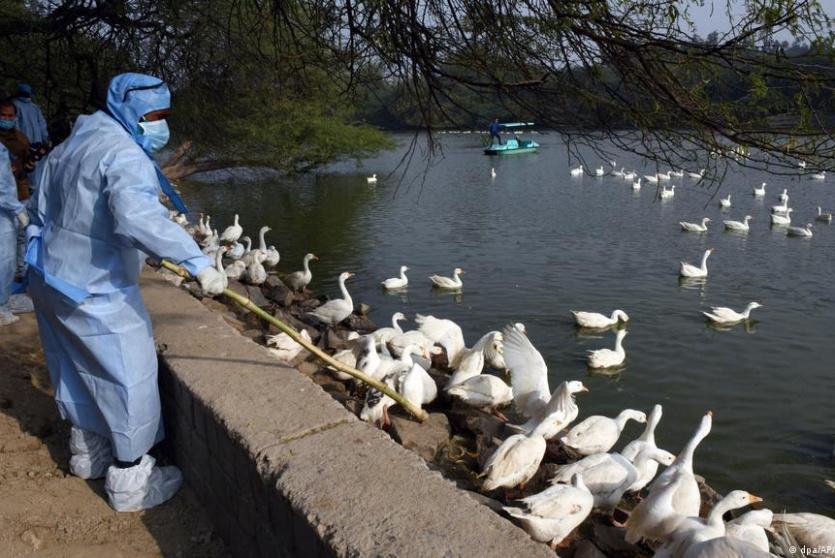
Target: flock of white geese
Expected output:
[667,517]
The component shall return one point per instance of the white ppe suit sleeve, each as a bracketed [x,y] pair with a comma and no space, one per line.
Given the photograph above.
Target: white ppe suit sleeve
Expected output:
[132,192]
[8,187]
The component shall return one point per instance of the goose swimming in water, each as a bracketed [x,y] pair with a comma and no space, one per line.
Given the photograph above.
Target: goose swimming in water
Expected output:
[442,282]
[805,232]
[823,217]
[695,227]
[372,179]
[725,202]
[667,194]
[723,315]
[397,282]
[577,171]
[608,358]
[778,219]
[690,270]
[636,186]
[737,225]
[759,192]
[599,321]
[784,197]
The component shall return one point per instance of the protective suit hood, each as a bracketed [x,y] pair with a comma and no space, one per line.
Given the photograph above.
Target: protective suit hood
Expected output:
[131,96]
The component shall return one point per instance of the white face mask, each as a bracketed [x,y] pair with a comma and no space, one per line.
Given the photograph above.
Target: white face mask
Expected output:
[155,134]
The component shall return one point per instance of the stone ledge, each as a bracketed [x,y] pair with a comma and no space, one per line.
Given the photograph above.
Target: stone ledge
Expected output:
[284,470]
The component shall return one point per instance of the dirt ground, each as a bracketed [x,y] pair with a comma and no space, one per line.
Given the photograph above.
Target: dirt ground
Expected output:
[46,512]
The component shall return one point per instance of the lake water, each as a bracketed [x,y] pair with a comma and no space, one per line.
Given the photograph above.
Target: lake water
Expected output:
[536,243]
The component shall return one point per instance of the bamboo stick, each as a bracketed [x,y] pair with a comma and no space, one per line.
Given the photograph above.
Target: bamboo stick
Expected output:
[416,412]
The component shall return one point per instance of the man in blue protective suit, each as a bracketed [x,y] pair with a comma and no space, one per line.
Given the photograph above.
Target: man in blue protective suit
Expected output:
[96,215]
[11,212]
[30,119]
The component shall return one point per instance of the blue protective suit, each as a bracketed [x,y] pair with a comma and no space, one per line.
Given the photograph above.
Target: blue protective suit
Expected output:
[30,120]
[97,214]
[9,208]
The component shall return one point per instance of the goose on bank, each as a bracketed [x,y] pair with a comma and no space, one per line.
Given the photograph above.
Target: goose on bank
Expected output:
[334,311]
[298,280]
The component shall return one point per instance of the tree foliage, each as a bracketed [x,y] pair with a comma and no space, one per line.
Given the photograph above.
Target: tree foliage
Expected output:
[279,83]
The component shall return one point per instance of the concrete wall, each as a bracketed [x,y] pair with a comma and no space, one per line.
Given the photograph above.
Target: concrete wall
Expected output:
[284,470]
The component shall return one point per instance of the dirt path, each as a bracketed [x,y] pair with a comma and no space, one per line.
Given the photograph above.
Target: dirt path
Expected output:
[46,512]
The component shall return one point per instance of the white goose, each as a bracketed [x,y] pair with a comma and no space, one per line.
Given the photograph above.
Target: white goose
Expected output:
[599,321]
[219,265]
[599,434]
[779,220]
[784,197]
[397,282]
[233,232]
[645,440]
[666,194]
[665,175]
[417,386]
[483,392]
[636,186]
[376,405]
[692,533]
[823,217]
[805,232]
[372,179]
[250,255]
[528,374]
[750,527]
[631,175]
[619,173]
[723,315]
[558,412]
[677,173]
[599,171]
[689,270]
[609,475]
[695,227]
[819,175]
[608,358]
[808,529]
[725,202]
[444,332]
[782,208]
[471,361]
[577,171]
[515,461]
[237,250]
[675,491]
[384,334]
[334,311]
[737,225]
[759,192]
[255,273]
[235,270]
[699,174]
[652,178]
[492,173]
[551,515]
[284,347]
[298,280]
[442,282]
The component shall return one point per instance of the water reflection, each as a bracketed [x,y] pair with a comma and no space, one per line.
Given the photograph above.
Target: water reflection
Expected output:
[750,326]
[693,283]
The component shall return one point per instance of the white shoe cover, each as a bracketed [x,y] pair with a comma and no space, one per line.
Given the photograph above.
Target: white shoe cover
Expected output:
[6,316]
[91,454]
[142,486]
[21,304]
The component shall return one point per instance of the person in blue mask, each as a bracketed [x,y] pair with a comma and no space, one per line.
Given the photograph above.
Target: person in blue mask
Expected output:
[11,212]
[30,119]
[96,215]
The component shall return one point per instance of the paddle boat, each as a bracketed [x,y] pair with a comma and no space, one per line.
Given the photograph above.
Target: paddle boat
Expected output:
[510,146]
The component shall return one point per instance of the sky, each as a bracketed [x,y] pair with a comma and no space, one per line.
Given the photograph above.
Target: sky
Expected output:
[713,15]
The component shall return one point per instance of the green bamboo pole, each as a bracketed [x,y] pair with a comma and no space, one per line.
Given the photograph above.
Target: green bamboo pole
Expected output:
[416,412]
